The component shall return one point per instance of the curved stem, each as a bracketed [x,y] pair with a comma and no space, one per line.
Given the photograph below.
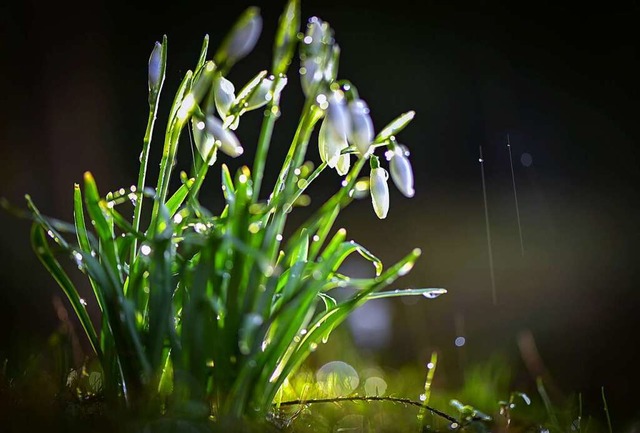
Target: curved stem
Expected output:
[368,399]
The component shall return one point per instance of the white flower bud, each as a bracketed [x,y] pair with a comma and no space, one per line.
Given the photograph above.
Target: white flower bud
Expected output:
[155,67]
[244,35]
[224,138]
[224,95]
[361,126]
[401,172]
[379,191]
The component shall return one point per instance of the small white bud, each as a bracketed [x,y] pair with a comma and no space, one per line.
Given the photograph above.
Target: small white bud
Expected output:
[379,191]
[155,67]
[224,138]
[361,126]
[401,172]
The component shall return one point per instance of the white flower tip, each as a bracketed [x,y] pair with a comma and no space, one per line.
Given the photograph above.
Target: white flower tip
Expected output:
[155,66]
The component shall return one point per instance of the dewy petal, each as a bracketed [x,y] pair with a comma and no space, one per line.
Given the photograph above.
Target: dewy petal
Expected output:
[310,74]
[338,116]
[261,95]
[204,141]
[379,191]
[361,126]
[402,173]
[328,147]
[226,139]
[224,95]
[313,40]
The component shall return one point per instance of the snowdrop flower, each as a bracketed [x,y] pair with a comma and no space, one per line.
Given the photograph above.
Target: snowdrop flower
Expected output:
[332,137]
[310,74]
[401,171]
[361,134]
[263,94]
[316,35]
[379,191]
[316,53]
[224,138]
[155,67]
[242,38]
[223,95]
[203,140]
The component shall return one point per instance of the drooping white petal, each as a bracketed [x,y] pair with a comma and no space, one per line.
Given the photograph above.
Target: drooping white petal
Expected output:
[203,140]
[338,115]
[328,146]
[379,191]
[224,95]
[263,93]
[310,74]
[226,139]
[402,173]
[361,126]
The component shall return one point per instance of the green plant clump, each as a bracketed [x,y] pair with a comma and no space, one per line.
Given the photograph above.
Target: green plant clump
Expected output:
[204,314]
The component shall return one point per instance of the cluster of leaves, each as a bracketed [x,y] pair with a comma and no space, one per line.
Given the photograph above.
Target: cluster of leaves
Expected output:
[208,314]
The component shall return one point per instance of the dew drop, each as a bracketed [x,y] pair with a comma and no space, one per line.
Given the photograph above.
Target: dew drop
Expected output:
[434,293]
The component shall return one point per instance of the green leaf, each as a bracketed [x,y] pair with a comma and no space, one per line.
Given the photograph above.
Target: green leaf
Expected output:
[178,197]
[44,254]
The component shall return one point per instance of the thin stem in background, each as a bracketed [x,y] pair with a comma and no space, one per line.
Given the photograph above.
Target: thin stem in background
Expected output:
[272,113]
[405,401]
[515,196]
[606,410]
[486,220]
[144,159]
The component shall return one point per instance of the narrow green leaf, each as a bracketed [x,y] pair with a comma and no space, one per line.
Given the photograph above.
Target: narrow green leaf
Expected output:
[44,254]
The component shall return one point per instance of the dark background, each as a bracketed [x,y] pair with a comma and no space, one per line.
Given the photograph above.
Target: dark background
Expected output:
[560,80]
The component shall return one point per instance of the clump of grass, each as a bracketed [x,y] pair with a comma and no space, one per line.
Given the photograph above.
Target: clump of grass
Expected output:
[205,315]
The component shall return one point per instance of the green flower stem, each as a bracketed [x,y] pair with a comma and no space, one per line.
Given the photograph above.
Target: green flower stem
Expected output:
[339,199]
[174,127]
[144,159]
[286,180]
[271,115]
